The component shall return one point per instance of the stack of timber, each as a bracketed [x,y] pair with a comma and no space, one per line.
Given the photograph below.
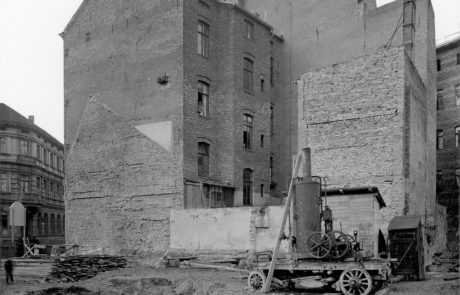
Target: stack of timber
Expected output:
[220,260]
[30,269]
[82,267]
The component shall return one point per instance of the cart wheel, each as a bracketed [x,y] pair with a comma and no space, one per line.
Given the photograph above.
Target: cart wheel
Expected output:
[256,280]
[318,245]
[340,245]
[355,281]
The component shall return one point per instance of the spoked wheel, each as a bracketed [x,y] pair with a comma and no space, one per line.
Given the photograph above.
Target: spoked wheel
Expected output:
[355,281]
[318,245]
[256,280]
[340,245]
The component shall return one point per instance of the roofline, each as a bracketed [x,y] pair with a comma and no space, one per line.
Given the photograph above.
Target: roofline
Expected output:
[256,18]
[357,190]
[74,16]
[448,45]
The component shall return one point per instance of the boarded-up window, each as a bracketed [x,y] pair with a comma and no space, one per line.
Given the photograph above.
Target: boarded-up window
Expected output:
[247,187]
[203,159]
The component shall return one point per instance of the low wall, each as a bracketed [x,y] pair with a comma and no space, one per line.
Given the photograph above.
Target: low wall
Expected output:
[250,229]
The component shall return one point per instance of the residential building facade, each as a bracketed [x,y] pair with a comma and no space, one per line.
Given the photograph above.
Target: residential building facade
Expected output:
[31,172]
[193,104]
[448,135]
[168,104]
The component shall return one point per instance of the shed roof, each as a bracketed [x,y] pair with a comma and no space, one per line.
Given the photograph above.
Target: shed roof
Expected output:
[405,222]
[357,191]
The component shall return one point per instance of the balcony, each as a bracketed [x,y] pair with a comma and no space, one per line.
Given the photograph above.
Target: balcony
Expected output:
[29,199]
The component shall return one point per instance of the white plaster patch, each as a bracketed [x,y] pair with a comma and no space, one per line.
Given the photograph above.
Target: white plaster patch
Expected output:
[159,132]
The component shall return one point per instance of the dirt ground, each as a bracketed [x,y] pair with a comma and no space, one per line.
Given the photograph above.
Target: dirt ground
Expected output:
[141,280]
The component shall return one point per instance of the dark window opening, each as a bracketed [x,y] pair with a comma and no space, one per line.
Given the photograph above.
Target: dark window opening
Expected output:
[262,85]
[439,103]
[203,159]
[203,39]
[4,220]
[247,132]
[248,67]
[271,119]
[439,140]
[249,30]
[262,141]
[261,190]
[458,58]
[203,99]
[247,187]
[272,71]
[438,64]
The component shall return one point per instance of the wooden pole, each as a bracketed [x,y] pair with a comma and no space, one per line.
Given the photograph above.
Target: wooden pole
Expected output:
[268,282]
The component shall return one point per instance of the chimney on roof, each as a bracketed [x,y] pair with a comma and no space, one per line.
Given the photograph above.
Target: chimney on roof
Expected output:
[31,118]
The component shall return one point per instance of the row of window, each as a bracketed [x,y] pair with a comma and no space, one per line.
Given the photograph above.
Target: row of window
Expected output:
[43,226]
[16,183]
[438,62]
[440,138]
[440,98]
[248,64]
[25,148]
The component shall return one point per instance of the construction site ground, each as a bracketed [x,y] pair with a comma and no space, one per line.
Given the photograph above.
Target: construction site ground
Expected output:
[142,280]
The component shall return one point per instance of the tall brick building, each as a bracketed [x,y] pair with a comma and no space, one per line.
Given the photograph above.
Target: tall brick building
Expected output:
[448,135]
[168,104]
[31,172]
[371,120]
[185,104]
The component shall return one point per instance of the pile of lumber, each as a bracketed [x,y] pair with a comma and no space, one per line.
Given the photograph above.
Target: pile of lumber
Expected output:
[82,267]
[220,260]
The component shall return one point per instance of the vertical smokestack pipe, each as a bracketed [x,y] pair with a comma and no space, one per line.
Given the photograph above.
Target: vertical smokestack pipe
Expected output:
[31,118]
[306,155]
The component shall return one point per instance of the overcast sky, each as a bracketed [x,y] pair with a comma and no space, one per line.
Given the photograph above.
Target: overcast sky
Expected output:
[31,54]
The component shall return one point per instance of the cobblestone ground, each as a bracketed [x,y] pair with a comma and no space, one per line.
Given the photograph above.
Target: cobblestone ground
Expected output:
[141,281]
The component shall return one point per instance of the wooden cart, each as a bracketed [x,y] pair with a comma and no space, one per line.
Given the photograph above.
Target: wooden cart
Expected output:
[349,277]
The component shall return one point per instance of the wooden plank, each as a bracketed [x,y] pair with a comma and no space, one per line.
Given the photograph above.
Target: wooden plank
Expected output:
[268,282]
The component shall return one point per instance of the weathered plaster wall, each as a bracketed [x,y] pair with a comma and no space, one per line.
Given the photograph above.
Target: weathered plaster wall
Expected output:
[227,229]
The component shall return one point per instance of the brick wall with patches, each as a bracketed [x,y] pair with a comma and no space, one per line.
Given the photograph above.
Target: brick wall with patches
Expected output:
[366,122]
[123,171]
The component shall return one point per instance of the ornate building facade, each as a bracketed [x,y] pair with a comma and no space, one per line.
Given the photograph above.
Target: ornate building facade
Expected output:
[31,172]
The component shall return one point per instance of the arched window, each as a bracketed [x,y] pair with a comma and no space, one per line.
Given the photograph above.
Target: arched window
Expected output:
[247,186]
[39,224]
[53,225]
[45,224]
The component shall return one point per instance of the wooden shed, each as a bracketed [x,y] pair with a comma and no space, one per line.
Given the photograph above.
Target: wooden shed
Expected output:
[357,209]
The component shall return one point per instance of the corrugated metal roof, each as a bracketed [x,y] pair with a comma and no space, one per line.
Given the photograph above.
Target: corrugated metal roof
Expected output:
[405,222]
